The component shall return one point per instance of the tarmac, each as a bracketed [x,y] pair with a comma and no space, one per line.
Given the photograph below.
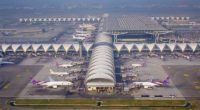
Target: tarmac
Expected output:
[33,91]
[14,78]
[156,68]
[184,78]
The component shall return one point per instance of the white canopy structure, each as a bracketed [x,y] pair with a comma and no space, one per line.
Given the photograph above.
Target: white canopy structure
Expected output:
[101,68]
[95,19]
[140,47]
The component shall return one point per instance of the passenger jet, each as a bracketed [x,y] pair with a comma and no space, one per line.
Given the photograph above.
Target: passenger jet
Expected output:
[58,73]
[51,83]
[153,83]
[63,65]
[5,62]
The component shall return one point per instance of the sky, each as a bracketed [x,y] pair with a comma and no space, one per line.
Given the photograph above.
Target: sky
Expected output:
[44,7]
[104,3]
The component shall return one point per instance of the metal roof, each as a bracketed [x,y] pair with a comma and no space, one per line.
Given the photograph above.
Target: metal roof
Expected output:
[130,23]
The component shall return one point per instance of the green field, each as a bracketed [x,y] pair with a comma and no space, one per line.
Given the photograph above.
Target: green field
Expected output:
[106,104]
[54,101]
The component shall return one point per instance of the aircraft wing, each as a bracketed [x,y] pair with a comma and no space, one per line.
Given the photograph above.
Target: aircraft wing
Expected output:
[6,62]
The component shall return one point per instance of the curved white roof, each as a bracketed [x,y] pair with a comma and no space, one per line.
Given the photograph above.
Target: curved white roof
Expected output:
[99,70]
[99,75]
[102,49]
[102,57]
[103,62]
[102,54]
[101,67]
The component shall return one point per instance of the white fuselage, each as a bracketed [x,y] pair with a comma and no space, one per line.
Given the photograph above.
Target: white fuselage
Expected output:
[5,62]
[146,84]
[83,32]
[65,65]
[79,38]
[60,73]
[137,65]
[83,35]
[55,84]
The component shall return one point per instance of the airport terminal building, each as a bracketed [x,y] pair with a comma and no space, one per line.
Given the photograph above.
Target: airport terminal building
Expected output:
[101,72]
[137,29]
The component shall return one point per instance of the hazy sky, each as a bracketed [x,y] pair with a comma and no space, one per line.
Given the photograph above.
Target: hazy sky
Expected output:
[41,7]
[57,3]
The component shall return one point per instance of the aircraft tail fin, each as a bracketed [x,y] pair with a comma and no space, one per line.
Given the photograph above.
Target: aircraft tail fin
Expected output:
[166,80]
[33,81]
[51,79]
[57,64]
[51,71]
[74,37]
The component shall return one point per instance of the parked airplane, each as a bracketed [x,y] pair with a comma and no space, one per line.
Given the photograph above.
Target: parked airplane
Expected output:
[64,65]
[51,83]
[153,55]
[5,62]
[153,83]
[83,32]
[58,73]
[164,82]
[184,56]
[145,84]
[162,58]
[135,65]
[79,37]
[78,62]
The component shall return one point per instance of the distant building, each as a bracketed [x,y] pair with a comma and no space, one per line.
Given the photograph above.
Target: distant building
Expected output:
[132,28]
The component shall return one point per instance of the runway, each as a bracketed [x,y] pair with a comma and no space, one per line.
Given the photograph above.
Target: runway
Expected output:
[14,78]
